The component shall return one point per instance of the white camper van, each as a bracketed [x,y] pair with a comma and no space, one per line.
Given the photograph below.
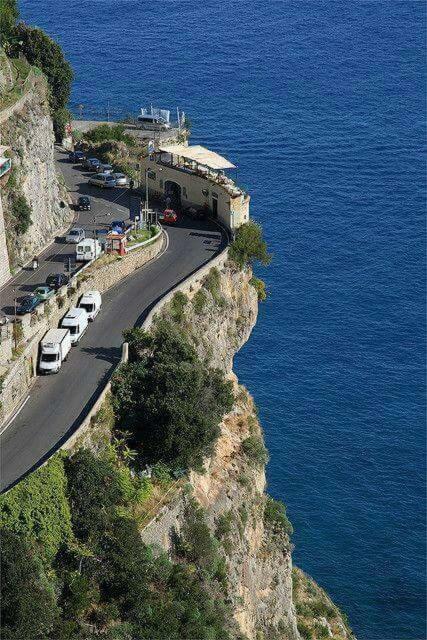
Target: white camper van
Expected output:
[87,250]
[54,349]
[76,322]
[91,301]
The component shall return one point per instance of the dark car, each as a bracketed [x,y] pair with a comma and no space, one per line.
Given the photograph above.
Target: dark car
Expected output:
[197,213]
[92,164]
[119,226]
[56,280]
[76,156]
[83,204]
[27,305]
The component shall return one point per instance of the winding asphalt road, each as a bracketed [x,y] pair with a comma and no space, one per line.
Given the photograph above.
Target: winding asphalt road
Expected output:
[57,404]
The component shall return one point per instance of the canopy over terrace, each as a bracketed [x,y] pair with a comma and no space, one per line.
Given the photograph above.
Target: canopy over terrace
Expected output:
[198,154]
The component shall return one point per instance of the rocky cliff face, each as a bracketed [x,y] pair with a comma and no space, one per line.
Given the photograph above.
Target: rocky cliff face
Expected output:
[219,318]
[28,132]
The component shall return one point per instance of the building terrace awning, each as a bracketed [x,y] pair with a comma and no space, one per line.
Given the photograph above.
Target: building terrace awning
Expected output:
[198,154]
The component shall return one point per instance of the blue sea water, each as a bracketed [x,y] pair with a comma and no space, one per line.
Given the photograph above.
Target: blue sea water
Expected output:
[322,106]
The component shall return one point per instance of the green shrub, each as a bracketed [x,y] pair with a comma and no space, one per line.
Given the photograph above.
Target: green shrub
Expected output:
[321,630]
[38,507]
[255,450]
[177,306]
[95,488]
[22,214]
[259,286]
[46,54]
[322,608]
[305,631]
[249,246]
[29,608]
[212,281]
[104,132]
[169,401]
[275,515]
[200,301]
[224,524]
[9,15]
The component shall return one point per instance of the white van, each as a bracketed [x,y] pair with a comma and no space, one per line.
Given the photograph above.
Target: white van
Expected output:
[76,321]
[91,301]
[54,349]
[88,250]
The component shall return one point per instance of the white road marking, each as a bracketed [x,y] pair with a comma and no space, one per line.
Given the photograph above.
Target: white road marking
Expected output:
[15,415]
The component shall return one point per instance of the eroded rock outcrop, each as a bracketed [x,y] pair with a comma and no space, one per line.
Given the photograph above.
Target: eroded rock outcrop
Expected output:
[28,131]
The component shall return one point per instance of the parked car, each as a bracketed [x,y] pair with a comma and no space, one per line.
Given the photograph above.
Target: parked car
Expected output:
[168,216]
[92,164]
[121,179]
[83,204]
[76,156]
[105,168]
[91,301]
[120,226]
[197,213]
[75,235]
[44,293]
[88,250]
[102,180]
[27,304]
[54,349]
[76,322]
[56,280]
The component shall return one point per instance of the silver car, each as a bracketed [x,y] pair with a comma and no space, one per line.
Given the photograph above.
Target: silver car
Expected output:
[121,179]
[75,235]
[103,180]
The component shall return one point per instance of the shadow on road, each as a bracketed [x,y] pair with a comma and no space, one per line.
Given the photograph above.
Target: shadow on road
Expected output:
[108,354]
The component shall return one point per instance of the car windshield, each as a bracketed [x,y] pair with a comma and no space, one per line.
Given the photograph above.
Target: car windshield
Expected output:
[50,357]
[74,232]
[83,200]
[109,178]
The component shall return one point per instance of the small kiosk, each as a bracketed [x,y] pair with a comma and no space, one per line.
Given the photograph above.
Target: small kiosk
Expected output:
[116,243]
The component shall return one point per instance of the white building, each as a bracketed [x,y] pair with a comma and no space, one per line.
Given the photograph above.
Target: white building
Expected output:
[195,176]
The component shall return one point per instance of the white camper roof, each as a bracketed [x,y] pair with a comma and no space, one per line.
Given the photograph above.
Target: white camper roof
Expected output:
[74,313]
[54,336]
[199,154]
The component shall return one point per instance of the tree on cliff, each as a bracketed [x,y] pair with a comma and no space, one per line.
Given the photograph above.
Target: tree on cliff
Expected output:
[9,15]
[43,52]
[249,246]
[169,400]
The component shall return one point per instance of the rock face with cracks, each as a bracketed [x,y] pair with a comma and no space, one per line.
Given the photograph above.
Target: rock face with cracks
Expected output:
[28,131]
[218,317]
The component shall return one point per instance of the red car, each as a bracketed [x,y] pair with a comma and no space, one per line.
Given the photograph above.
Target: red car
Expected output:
[169,216]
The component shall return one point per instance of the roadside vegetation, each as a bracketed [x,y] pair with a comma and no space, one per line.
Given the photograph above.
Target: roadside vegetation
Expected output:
[112,145]
[167,399]
[43,53]
[74,566]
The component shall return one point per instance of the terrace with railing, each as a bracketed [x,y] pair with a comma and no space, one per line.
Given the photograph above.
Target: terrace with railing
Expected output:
[198,160]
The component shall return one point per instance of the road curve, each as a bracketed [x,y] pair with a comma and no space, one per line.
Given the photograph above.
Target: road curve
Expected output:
[57,404]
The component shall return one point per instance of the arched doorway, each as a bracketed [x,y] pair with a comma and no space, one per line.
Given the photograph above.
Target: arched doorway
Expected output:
[173,193]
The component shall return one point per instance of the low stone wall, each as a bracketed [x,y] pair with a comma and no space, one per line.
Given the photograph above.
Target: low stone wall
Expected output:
[20,374]
[189,286]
